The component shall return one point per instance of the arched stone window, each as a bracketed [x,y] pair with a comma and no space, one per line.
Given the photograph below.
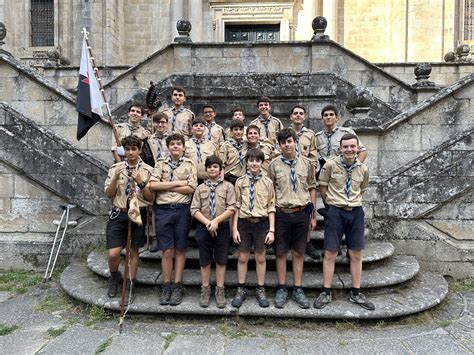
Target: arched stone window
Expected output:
[42,23]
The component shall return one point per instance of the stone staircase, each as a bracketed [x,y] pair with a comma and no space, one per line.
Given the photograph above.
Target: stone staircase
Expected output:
[393,283]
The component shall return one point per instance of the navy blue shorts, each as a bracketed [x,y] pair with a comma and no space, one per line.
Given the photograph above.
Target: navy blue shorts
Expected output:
[291,232]
[213,248]
[172,225]
[339,222]
[117,230]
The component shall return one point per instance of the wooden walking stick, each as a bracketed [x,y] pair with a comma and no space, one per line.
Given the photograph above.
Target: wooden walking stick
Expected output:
[125,277]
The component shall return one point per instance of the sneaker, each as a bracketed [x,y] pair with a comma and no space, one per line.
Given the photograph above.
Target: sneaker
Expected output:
[165,294]
[312,252]
[322,300]
[220,297]
[262,297]
[205,296]
[299,297]
[176,294]
[113,283]
[239,297]
[362,301]
[280,298]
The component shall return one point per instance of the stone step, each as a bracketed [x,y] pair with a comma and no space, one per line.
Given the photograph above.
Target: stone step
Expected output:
[421,293]
[374,251]
[395,270]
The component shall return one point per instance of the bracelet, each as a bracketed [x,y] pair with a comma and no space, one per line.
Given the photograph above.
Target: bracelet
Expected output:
[142,185]
[269,231]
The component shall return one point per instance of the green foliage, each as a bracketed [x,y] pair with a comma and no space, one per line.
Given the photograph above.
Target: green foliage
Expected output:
[104,345]
[55,332]
[54,304]
[7,329]
[18,281]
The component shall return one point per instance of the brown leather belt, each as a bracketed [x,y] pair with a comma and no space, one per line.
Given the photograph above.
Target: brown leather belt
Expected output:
[291,210]
[347,208]
[254,219]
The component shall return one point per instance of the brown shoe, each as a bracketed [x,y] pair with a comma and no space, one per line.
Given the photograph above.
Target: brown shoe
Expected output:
[205,296]
[220,297]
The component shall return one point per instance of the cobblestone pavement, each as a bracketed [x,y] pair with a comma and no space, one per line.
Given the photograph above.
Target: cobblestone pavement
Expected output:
[44,320]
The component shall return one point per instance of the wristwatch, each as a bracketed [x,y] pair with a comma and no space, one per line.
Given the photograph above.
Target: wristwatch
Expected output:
[142,185]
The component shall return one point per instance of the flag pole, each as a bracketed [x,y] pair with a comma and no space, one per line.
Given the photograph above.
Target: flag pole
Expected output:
[102,91]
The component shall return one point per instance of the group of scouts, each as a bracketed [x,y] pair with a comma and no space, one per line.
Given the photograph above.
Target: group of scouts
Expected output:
[250,185]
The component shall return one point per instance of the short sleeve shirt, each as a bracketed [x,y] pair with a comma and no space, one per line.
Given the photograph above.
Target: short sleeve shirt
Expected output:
[217,134]
[328,143]
[181,120]
[125,130]
[207,148]
[230,157]
[264,200]
[224,199]
[158,146]
[269,128]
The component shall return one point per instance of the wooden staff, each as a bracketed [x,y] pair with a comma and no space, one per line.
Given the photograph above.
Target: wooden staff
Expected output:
[99,80]
[125,276]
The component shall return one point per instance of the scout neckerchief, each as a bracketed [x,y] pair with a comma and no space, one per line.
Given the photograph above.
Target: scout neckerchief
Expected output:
[292,165]
[328,136]
[132,128]
[239,147]
[349,168]
[173,165]
[175,112]
[198,143]
[298,134]
[209,130]
[253,180]
[212,196]
[129,170]
[266,124]
[158,145]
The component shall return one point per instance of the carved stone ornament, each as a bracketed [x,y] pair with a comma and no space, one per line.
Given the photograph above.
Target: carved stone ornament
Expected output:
[422,73]
[360,99]
[463,52]
[319,25]
[450,57]
[183,27]
[3,32]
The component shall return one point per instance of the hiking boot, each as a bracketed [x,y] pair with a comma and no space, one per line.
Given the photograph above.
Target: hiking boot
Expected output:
[220,297]
[205,296]
[322,300]
[299,297]
[262,297]
[312,252]
[177,294]
[280,298]
[239,297]
[113,283]
[130,292]
[362,301]
[165,294]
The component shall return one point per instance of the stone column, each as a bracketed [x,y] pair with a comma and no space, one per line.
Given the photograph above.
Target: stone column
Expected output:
[177,13]
[330,13]
[195,17]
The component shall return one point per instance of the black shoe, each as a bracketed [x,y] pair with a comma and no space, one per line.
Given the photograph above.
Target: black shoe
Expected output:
[299,297]
[322,300]
[312,252]
[262,297]
[154,247]
[280,298]
[177,294]
[113,283]
[362,301]
[239,297]
[165,294]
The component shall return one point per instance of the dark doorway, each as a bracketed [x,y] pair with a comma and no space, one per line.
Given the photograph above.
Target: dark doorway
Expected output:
[252,33]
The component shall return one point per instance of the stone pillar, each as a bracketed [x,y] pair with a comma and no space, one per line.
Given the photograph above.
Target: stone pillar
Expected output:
[195,17]
[330,13]
[177,13]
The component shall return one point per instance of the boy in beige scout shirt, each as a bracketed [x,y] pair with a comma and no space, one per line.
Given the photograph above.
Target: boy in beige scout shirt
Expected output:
[180,119]
[342,182]
[254,142]
[157,141]
[269,125]
[237,114]
[295,189]
[214,132]
[176,180]
[124,179]
[254,224]
[132,127]
[232,154]
[213,205]
[198,148]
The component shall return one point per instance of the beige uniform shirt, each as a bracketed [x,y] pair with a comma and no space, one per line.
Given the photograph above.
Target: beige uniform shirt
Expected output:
[274,126]
[264,201]
[328,143]
[125,130]
[280,174]
[183,119]
[217,135]
[154,141]
[307,144]
[186,171]
[224,200]
[268,150]
[334,176]
[207,149]
[120,198]
[230,157]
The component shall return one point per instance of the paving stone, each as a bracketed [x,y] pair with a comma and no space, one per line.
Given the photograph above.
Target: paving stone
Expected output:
[421,293]
[338,344]
[434,344]
[78,340]
[190,344]
[397,270]
[26,341]
[135,343]
[4,295]
[255,346]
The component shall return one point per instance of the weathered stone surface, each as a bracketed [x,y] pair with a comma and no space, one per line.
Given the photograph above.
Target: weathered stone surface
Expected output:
[423,292]
[443,344]
[188,344]
[135,343]
[396,270]
[258,345]
[23,342]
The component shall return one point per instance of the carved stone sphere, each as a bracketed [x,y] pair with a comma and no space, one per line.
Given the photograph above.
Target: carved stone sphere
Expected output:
[422,69]
[3,31]
[319,23]
[450,57]
[53,54]
[360,96]
[183,27]
[463,49]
